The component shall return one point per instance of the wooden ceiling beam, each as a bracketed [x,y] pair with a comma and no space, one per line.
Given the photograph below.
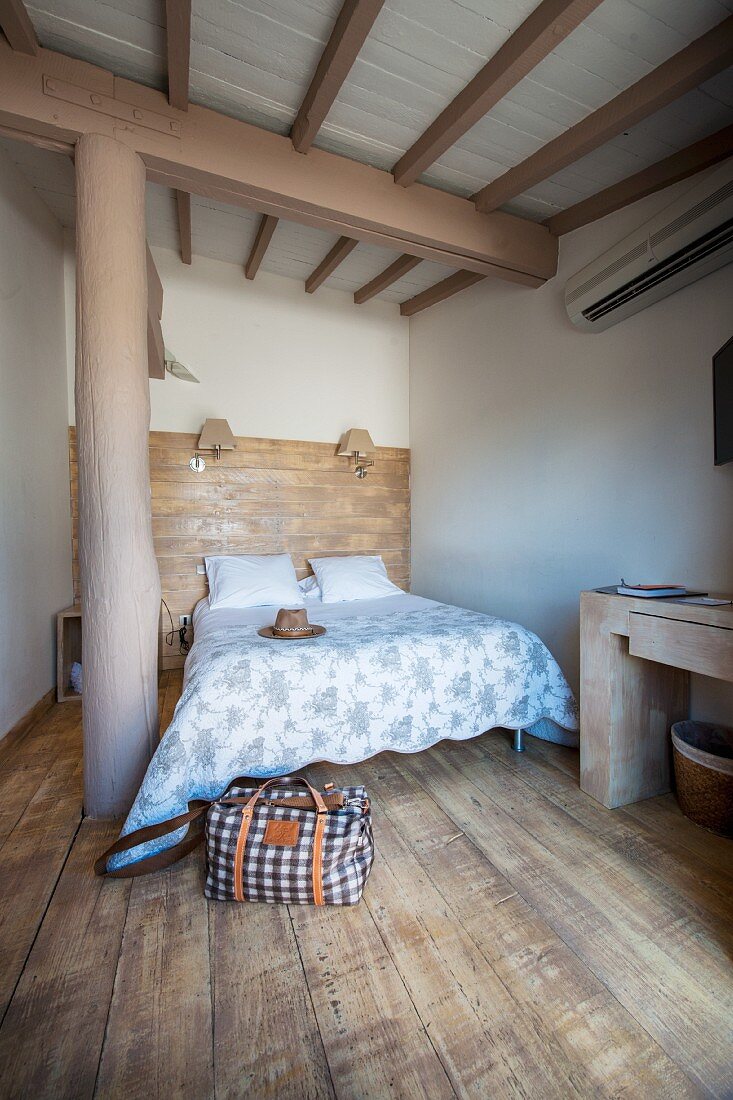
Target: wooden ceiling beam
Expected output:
[538,36]
[344,247]
[178,43]
[454,284]
[687,162]
[156,347]
[155,287]
[354,22]
[390,275]
[206,153]
[183,206]
[265,230]
[696,63]
[17,27]
[178,40]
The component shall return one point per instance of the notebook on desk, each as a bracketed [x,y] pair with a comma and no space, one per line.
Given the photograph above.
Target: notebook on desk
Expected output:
[670,593]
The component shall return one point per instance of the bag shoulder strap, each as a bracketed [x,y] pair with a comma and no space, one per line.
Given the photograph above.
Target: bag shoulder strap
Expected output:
[193,837]
[159,860]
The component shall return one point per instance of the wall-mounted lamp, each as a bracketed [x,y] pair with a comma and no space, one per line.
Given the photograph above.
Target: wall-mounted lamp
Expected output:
[216,437]
[177,369]
[357,443]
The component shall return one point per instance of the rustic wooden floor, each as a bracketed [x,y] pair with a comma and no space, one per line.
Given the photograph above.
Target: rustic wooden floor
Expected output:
[552,949]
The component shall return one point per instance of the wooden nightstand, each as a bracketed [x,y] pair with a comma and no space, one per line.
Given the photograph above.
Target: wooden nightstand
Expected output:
[68,650]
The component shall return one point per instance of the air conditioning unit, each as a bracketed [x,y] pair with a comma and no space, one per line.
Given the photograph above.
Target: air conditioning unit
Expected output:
[688,239]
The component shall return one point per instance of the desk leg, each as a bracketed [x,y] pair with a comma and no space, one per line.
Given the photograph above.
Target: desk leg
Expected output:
[627,706]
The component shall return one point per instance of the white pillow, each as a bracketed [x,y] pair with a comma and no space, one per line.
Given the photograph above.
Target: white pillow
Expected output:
[352,578]
[253,580]
[309,588]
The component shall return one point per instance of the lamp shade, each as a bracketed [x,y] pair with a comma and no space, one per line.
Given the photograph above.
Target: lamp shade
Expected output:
[217,433]
[356,441]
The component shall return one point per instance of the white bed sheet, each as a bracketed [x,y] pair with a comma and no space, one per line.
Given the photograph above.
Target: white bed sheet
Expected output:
[206,621]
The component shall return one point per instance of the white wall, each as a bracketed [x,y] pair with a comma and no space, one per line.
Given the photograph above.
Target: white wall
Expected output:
[35,534]
[273,360]
[546,461]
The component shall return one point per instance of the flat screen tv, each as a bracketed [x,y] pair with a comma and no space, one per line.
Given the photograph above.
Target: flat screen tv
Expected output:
[723,403]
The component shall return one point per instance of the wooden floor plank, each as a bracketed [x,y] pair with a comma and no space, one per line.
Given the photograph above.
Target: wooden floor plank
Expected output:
[374,1040]
[696,933]
[266,1038]
[26,765]
[32,858]
[573,1014]
[487,1041]
[708,890]
[51,1037]
[553,948]
[159,1030]
[172,695]
[662,814]
[582,905]
[162,687]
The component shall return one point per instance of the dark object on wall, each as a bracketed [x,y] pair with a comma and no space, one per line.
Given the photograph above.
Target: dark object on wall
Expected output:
[703,768]
[723,403]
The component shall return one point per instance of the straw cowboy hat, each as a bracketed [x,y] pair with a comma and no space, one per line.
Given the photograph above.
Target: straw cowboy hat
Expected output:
[292,624]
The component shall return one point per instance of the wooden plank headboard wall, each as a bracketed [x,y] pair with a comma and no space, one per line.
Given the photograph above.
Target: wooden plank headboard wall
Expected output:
[268,496]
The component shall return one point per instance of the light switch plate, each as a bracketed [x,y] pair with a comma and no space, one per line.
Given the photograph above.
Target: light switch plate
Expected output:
[201,569]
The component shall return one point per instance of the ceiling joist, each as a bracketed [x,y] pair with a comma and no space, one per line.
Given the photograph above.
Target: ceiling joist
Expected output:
[183,206]
[16,25]
[454,284]
[265,230]
[178,41]
[687,162]
[538,36]
[390,275]
[206,153]
[696,63]
[156,347]
[344,247]
[354,22]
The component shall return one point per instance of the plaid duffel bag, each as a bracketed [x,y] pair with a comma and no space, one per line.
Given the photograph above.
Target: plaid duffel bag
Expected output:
[293,846]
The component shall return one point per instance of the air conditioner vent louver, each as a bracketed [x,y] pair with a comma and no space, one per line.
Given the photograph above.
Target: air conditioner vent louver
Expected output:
[608,272]
[687,240]
[681,260]
[692,214]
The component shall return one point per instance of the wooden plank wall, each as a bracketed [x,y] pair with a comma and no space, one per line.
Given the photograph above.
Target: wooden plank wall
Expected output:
[268,496]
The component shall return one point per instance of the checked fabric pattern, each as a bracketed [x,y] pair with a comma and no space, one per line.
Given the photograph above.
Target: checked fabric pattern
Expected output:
[276,872]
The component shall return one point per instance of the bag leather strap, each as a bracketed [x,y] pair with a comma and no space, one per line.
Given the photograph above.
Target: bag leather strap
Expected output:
[159,860]
[196,811]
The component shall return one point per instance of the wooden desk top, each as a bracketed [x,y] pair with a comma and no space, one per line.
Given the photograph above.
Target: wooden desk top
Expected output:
[618,607]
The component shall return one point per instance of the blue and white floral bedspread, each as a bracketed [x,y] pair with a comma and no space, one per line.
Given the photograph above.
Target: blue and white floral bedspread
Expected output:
[252,706]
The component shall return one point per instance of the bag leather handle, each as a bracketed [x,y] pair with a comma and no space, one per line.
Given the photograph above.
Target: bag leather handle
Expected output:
[321,806]
[317,859]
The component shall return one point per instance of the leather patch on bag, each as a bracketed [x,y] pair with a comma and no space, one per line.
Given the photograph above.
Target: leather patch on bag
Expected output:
[284,833]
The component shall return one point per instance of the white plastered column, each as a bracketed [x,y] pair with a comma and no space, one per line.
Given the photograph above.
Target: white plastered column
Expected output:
[120,584]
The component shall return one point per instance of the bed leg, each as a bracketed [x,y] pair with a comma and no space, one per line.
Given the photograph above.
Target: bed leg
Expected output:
[518,743]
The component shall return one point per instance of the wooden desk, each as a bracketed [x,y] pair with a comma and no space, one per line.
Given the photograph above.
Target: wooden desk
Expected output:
[636,656]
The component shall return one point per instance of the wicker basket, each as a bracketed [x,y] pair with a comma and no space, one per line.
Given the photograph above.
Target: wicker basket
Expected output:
[703,768]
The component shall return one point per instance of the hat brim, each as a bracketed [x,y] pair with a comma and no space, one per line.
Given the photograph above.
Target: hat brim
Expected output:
[269,632]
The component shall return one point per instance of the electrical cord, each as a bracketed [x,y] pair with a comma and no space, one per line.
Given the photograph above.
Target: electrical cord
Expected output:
[183,643]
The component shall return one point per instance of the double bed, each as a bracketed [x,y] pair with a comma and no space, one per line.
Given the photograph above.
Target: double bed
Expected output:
[397,673]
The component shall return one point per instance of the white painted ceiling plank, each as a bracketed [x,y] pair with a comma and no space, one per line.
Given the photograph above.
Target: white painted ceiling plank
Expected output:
[253,59]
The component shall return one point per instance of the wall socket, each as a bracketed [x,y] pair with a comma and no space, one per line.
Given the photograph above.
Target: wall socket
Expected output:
[184,620]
